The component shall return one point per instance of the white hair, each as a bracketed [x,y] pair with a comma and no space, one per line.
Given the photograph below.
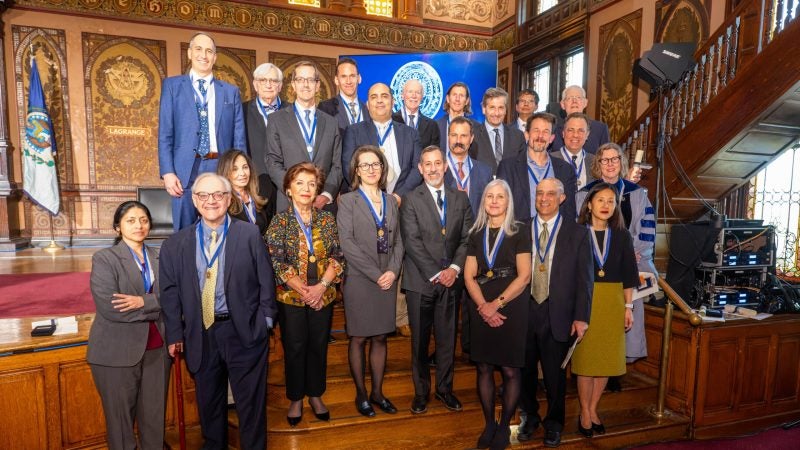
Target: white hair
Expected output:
[510,226]
[212,175]
[265,68]
[574,86]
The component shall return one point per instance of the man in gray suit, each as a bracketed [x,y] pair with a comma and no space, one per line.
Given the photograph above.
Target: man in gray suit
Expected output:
[575,132]
[495,141]
[434,220]
[304,134]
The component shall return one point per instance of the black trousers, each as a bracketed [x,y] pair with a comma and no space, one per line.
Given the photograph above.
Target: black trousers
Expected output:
[541,347]
[304,333]
[437,313]
[225,358]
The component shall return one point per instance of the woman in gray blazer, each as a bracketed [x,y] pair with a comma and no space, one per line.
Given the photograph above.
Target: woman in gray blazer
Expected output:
[126,353]
[369,232]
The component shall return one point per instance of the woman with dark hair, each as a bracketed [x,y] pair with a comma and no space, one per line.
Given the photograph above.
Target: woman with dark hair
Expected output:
[254,198]
[126,351]
[304,244]
[601,352]
[368,228]
[497,275]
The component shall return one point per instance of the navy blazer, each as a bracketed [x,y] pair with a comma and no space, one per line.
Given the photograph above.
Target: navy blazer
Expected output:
[408,150]
[249,288]
[513,145]
[598,135]
[479,177]
[515,172]
[427,129]
[179,126]
[333,106]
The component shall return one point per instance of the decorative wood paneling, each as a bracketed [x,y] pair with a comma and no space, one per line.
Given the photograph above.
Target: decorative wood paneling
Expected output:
[481,13]
[682,21]
[82,419]
[786,387]
[23,409]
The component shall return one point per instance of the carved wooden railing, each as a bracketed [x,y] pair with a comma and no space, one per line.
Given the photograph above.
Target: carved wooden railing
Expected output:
[749,29]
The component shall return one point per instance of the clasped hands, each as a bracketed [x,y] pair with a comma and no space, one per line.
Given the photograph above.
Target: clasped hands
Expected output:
[312,295]
[386,280]
[490,313]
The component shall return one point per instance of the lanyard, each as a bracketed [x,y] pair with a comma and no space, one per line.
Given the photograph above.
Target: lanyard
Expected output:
[490,255]
[461,184]
[264,108]
[210,261]
[350,113]
[549,238]
[307,232]
[577,168]
[379,220]
[199,98]
[600,256]
[249,208]
[309,137]
[144,268]
[533,175]
[381,140]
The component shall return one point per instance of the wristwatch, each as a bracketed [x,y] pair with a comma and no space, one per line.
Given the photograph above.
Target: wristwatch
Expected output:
[325,282]
[501,302]
[629,305]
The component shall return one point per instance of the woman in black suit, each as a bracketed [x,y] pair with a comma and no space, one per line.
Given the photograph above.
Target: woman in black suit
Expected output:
[254,198]
[126,352]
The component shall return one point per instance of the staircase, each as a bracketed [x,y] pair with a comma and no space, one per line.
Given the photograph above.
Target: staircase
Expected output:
[736,111]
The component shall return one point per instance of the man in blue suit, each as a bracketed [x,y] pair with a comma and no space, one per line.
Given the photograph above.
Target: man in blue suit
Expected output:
[399,143]
[200,117]
[218,301]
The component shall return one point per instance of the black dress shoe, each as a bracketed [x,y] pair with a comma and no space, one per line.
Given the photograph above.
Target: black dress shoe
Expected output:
[432,359]
[586,432]
[450,401]
[331,339]
[420,404]
[527,428]
[552,438]
[364,408]
[614,384]
[598,428]
[485,440]
[385,405]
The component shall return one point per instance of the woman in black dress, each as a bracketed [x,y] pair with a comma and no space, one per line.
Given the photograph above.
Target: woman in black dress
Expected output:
[253,198]
[497,274]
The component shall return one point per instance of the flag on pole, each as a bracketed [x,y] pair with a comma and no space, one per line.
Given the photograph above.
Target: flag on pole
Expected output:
[39,178]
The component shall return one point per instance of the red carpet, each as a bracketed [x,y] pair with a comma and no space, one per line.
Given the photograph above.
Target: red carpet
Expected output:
[45,294]
[774,439]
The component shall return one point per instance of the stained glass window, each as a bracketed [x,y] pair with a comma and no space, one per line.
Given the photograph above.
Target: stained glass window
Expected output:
[540,82]
[379,7]
[314,3]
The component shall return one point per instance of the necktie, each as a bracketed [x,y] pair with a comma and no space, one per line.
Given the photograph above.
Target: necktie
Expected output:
[439,201]
[204,146]
[210,287]
[308,119]
[498,147]
[411,120]
[541,288]
[461,174]
[353,112]
[575,164]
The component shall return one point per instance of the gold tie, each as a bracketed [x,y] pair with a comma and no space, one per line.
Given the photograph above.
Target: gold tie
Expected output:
[210,287]
[540,288]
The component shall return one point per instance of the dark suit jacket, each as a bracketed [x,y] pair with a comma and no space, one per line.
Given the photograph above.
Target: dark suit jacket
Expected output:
[587,165]
[333,106]
[408,150]
[480,176]
[118,339]
[571,279]
[513,144]
[515,172]
[179,127]
[441,122]
[287,147]
[257,134]
[249,288]
[427,129]
[427,251]
[598,135]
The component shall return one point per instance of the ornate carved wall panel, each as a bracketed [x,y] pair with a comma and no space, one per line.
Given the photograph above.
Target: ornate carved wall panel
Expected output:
[682,21]
[287,61]
[619,47]
[234,66]
[49,48]
[482,13]
[122,82]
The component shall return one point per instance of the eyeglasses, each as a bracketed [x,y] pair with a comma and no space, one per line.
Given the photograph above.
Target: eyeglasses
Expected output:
[607,161]
[203,196]
[309,80]
[367,166]
[574,98]
[267,80]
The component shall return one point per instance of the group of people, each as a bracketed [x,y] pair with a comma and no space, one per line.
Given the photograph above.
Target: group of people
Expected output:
[297,202]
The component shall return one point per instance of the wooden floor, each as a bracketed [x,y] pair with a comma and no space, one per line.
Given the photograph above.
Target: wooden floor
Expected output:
[625,414]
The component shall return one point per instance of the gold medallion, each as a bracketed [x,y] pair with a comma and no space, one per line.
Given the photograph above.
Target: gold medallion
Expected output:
[208,273]
[380,232]
[444,231]
[490,273]
[601,273]
[312,258]
[542,267]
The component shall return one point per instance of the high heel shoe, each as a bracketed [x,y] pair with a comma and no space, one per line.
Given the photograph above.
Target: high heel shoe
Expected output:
[293,421]
[586,432]
[323,416]
[501,438]
[485,439]
[598,428]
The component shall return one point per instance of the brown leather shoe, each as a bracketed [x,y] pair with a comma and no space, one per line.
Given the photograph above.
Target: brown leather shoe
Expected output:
[404,330]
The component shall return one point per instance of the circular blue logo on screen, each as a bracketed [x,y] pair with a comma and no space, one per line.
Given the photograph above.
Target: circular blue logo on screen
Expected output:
[431,83]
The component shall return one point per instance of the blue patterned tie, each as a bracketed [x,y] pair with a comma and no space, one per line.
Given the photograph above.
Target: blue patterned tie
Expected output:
[204,146]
